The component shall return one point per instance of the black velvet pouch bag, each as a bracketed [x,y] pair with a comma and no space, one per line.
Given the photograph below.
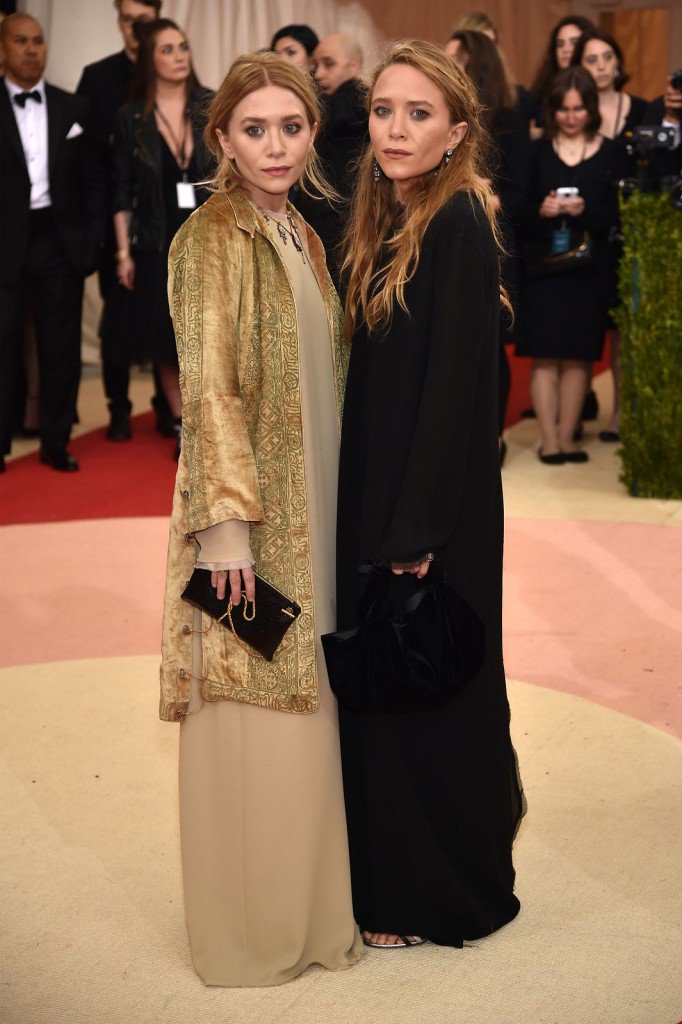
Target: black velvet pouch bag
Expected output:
[417,645]
[261,627]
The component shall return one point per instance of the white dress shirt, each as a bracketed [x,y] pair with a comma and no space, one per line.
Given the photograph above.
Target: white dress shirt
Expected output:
[32,124]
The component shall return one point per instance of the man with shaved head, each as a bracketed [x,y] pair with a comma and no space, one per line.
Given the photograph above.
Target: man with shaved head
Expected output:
[338,59]
[52,214]
[343,134]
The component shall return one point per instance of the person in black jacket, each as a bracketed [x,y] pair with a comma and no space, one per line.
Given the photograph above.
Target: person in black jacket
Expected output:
[509,162]
[432,796]
[159,157]
[340,140]
[601,55]
[106,84]
[52,208]
[667,110]
[558,55]
[297,43]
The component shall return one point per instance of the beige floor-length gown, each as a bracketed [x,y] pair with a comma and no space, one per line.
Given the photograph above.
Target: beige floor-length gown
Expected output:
[263,832]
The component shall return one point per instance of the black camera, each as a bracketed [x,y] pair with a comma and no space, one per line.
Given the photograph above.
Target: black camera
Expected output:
[655,151]
[676,80]
[645,137]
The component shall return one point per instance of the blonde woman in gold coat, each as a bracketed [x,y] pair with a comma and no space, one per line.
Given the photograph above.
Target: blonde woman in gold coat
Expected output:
[262,366]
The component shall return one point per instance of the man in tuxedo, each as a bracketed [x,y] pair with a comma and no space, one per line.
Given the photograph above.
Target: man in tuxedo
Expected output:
[106,85]
[53,215]
[342,137]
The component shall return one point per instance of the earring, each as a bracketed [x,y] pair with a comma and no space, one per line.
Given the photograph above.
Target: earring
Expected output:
[376,172]
[448,156]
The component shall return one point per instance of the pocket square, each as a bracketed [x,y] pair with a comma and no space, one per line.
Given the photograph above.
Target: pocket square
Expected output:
[74,131]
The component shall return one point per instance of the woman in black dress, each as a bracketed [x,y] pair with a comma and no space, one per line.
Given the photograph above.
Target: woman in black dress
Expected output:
[563,315]
[560,48]
[297,43]
[509,168]
[158,156]
[432,797]
[600,54]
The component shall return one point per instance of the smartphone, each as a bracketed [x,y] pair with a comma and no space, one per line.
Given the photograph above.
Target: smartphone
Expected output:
[568,192]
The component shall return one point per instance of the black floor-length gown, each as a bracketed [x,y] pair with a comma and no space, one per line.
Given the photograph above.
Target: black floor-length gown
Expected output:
[432,798]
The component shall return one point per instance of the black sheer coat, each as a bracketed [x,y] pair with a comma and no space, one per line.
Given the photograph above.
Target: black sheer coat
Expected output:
[432,797]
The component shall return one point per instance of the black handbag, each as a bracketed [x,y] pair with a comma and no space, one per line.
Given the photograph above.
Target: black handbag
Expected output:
[261,627]
[417,645]
[540,265]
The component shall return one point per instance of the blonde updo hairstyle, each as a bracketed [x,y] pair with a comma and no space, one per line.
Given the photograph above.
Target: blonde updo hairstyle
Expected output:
[374,283]
[248,73]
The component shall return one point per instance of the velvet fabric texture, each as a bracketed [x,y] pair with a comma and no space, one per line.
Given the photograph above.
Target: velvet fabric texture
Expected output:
[242,453]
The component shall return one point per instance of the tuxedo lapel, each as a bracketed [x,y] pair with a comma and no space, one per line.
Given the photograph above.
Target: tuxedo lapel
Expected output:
[56,128]
[9,125]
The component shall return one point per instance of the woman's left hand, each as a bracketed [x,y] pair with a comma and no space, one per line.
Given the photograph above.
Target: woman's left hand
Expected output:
[573,207]
[418,569]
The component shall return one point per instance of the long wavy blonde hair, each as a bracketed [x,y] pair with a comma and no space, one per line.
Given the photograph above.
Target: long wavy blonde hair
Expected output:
[373,283]
[248,73]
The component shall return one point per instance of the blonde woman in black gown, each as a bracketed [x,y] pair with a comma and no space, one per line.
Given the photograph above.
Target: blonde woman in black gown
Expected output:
[432,797]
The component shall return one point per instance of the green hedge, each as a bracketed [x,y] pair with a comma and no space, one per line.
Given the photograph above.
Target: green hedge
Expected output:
[650,321]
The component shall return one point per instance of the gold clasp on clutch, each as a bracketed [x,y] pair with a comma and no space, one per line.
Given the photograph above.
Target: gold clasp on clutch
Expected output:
[230,606]
[247,617]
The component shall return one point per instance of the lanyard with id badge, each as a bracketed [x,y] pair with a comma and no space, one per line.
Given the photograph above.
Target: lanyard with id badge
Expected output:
[186,194]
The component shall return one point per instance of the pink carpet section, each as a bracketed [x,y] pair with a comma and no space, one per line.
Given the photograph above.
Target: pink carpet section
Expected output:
[595,609]
[591,608]
[91,589]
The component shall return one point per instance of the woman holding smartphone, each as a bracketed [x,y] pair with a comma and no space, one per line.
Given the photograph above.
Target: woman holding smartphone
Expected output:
[571,201]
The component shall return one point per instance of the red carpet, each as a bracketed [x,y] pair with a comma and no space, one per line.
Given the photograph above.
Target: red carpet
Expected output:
[134,478]
[131,478]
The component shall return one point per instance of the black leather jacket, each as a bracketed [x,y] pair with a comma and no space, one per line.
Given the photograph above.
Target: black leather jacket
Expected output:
[137,182]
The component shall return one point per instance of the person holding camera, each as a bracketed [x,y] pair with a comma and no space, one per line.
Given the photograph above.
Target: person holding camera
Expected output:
[666,110]
[571,210]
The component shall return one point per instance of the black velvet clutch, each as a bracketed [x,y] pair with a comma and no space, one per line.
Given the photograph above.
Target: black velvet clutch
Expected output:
[417,645]
[261,626]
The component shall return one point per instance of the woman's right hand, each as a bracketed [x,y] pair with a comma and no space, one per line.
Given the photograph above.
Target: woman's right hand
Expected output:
[550,206]
[239,579]
[125,272]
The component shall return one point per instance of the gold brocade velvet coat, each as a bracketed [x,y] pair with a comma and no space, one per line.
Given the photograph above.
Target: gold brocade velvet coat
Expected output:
[242,447]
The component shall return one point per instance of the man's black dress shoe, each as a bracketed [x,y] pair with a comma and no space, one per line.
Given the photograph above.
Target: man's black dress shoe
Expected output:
[576,456]
[119,427]
[63,461]
[555,459]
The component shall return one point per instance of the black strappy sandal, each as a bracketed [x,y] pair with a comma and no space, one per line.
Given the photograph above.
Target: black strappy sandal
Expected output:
[404,944]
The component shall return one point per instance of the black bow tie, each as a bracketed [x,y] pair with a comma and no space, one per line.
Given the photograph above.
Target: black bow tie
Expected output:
[22,97]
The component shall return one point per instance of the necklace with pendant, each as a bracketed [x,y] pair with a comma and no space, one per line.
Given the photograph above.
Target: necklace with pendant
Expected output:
[282,231]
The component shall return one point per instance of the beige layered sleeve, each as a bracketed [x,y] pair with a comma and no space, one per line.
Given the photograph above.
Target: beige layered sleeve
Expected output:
[224,546]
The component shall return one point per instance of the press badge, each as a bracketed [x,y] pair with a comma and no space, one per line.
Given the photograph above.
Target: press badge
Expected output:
[561,241]
[187,199]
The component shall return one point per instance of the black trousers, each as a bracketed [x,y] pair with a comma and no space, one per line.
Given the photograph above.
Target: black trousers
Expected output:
[54,291]
[115,365]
